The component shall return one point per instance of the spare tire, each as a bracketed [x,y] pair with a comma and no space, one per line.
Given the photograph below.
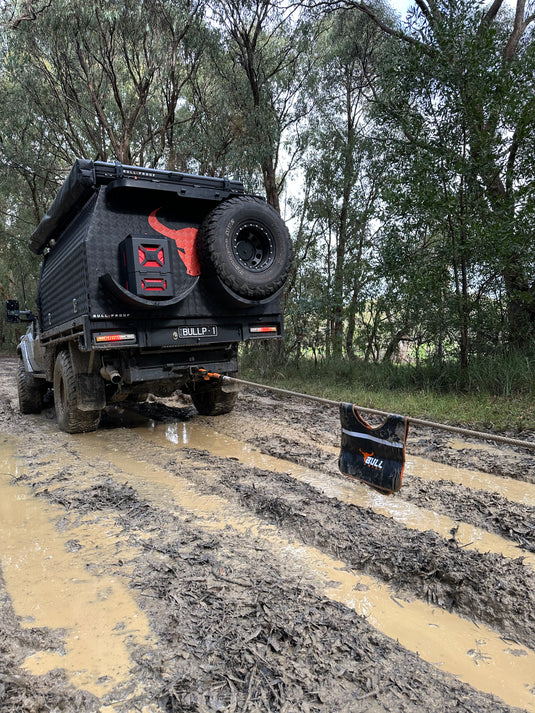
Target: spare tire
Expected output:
[246,244]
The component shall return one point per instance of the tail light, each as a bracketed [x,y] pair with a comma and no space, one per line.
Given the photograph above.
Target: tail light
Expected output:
[114,337]
[263,329]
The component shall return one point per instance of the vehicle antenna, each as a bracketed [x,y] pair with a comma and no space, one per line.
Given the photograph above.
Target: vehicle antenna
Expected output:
[23,288]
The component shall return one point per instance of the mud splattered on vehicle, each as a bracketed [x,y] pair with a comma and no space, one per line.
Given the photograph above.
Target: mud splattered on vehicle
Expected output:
[172,562]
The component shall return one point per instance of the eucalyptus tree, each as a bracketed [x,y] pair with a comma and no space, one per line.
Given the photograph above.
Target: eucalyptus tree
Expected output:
[266,43]
[102,79]
[342,173]
[459,95]
[12,14]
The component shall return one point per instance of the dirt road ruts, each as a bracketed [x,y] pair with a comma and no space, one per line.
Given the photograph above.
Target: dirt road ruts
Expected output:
[172,562]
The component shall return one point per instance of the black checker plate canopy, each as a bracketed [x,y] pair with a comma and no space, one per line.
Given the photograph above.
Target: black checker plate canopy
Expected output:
[88,249]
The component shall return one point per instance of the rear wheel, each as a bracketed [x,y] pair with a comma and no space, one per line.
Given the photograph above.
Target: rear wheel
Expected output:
[70,418]
[213,402]
[31,391]
[210,399]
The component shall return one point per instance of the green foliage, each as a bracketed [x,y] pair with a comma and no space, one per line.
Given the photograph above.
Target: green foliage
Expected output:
[409,154]
[341,174]
[102,79]
[497,393]
[454,105]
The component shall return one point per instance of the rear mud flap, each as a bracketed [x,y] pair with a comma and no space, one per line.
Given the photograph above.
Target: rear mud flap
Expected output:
[90,392]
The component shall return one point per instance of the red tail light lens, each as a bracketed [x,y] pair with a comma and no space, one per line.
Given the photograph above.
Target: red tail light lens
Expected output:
[263,329]
[106,338]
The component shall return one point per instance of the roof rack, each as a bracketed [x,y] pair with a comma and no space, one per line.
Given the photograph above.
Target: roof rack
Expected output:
[87,176]
[105,173]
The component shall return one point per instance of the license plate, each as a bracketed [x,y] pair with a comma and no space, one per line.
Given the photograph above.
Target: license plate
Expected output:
[188,332]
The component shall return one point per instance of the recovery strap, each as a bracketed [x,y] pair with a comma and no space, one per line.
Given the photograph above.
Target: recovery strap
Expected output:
[481,435]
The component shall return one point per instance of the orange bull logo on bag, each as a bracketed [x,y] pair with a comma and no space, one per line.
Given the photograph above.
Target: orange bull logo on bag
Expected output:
[375,456]
[371,461]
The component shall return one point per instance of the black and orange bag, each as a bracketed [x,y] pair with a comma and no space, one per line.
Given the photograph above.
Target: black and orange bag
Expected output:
[374,455]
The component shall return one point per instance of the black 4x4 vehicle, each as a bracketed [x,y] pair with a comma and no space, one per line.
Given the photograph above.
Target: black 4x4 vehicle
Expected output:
[147,276]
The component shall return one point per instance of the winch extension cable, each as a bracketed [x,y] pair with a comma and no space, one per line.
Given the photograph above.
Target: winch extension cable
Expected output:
[413,421]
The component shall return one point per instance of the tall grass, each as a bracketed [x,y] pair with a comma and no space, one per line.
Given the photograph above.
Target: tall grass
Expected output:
[494,392]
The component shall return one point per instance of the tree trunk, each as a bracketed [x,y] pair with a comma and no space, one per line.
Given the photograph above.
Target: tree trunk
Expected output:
[270,183]
[393,345]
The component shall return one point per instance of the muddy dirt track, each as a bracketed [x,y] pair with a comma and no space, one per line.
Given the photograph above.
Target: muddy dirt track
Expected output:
[173,562]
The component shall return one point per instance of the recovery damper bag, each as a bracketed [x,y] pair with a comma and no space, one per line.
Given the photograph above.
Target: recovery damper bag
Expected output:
[374,455]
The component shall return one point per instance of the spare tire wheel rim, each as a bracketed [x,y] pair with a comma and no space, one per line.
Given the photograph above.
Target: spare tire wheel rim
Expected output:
[253,246]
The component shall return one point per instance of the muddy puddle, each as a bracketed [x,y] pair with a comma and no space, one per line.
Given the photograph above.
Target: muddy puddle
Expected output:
[52,586]
[514,490]
[171,562]
[474,653]
[199,436]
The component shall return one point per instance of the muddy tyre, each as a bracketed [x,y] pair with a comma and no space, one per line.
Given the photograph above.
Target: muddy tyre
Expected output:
[213,402]
[70,418]
[245,243]
[31,391]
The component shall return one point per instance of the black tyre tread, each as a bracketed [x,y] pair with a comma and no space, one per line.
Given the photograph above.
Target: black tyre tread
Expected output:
[214,402]
[69,417]
[30,390]
[214,261]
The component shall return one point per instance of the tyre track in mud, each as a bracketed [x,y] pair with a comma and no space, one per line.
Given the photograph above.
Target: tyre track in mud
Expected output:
[252,634]
[199,434]
[195,473]
[420,564]
[238,627]
[487,587]
[198,600]
[490,511]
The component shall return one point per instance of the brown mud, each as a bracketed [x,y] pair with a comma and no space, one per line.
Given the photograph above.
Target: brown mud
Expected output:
[172,562]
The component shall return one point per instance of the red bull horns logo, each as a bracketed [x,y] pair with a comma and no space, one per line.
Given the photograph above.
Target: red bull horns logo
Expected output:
[186,242]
